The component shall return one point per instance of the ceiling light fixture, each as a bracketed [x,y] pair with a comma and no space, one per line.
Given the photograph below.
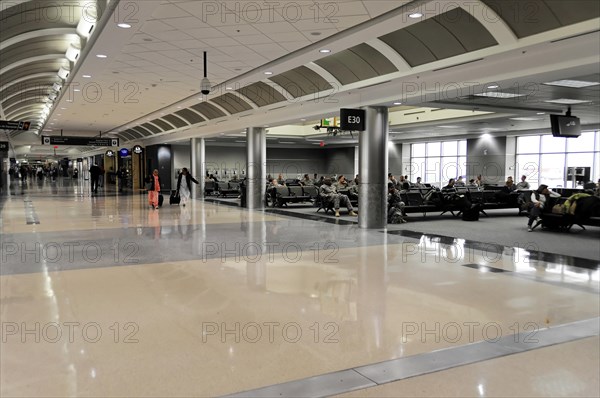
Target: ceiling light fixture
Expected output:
[268,73]
[415,15]
[493,86]
[56,87]
[567,101]
[63,73]
[572,83]
[87,22]
[497,94]
[101,56]
[86,76]
[124,25]
[397,103]
[73,52]
[324,51]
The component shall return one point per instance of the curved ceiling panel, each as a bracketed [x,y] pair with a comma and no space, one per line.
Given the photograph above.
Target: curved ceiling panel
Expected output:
[43,83]
[175,121]
[33,68]
[38,15]
[262,94]
[135,132]
[357,63]
[208,110]
[32,102]
[126,134]
[143,132]
[152,128]
[446,35]
[162,124]
[54,44]
[190,116]
[40,95]
[231,103]
[301,81]
[530,17]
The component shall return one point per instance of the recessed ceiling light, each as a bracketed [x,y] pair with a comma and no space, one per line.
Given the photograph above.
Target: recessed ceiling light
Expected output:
[268,73]
[495,94]
[397,103]
[101,55]
[303,120]
[63,108]
[124,25]
[324,51]
[493,86]
[415,15]
[240,141]
[572,83]
[87,76]
[76,90]
[567,101]
[541,113]
[69,100]
[449,127]
[228,88]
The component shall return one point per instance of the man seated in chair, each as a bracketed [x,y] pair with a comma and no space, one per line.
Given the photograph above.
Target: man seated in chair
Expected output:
[272,191]
[329,194]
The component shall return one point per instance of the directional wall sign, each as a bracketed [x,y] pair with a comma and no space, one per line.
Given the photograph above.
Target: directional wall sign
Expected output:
[14,125]
[79,141]
[352,119]
[3,146]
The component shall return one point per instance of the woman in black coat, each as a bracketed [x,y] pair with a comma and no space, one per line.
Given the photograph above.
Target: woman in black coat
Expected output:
[185,190]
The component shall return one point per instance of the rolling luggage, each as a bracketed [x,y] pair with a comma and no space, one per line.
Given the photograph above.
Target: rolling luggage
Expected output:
[174,199]
[161,199]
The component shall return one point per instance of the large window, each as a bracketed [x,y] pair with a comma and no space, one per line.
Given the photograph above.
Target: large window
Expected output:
[437,162]
[545,159]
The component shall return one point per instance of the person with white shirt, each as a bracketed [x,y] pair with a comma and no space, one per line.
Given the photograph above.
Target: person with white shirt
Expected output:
[523,185]
[539,198]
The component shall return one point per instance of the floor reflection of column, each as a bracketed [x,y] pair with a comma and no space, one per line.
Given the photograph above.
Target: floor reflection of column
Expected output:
[372,285]
[254,251]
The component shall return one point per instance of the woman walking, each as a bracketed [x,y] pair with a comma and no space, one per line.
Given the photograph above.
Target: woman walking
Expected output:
[185,190]
[153,184]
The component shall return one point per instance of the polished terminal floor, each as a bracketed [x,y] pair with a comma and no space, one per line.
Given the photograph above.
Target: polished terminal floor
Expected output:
[103,296]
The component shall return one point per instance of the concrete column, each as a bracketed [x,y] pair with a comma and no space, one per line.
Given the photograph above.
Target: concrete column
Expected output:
[198,163]
[373,165]
[256,159]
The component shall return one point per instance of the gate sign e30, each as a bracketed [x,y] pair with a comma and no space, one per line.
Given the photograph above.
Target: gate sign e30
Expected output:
[352,119]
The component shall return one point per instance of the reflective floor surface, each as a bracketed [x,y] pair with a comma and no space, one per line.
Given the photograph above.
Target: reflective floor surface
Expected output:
[104,296]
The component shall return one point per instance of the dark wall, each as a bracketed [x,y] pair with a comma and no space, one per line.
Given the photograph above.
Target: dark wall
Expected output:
[287,161]
[160,157]
[487,156]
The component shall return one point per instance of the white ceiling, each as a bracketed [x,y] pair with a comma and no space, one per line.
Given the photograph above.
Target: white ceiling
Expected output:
[154,68]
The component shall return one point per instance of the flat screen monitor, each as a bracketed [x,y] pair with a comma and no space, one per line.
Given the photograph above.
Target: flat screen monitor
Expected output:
[565,126]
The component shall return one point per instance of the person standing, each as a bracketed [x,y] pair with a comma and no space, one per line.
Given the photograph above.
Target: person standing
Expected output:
[95,177]
[185,190]
[153,182]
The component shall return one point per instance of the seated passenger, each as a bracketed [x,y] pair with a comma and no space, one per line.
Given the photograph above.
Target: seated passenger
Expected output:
[280,179]
[539,198]
[353,189]
[472,184]
[306,180]
[403,184]
[450,186]
[460,182]
[341,183]
[327,192]
[395,206]
[419,184]
[523,185]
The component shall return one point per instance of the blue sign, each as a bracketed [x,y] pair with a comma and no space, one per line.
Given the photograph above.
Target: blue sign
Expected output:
[124,152]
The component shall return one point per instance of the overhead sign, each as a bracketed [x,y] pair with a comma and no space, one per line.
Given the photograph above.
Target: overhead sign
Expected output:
[79,141]
[14,125]
[137,149]
[110,153]
[124,152]
[352,119]
[3,146]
